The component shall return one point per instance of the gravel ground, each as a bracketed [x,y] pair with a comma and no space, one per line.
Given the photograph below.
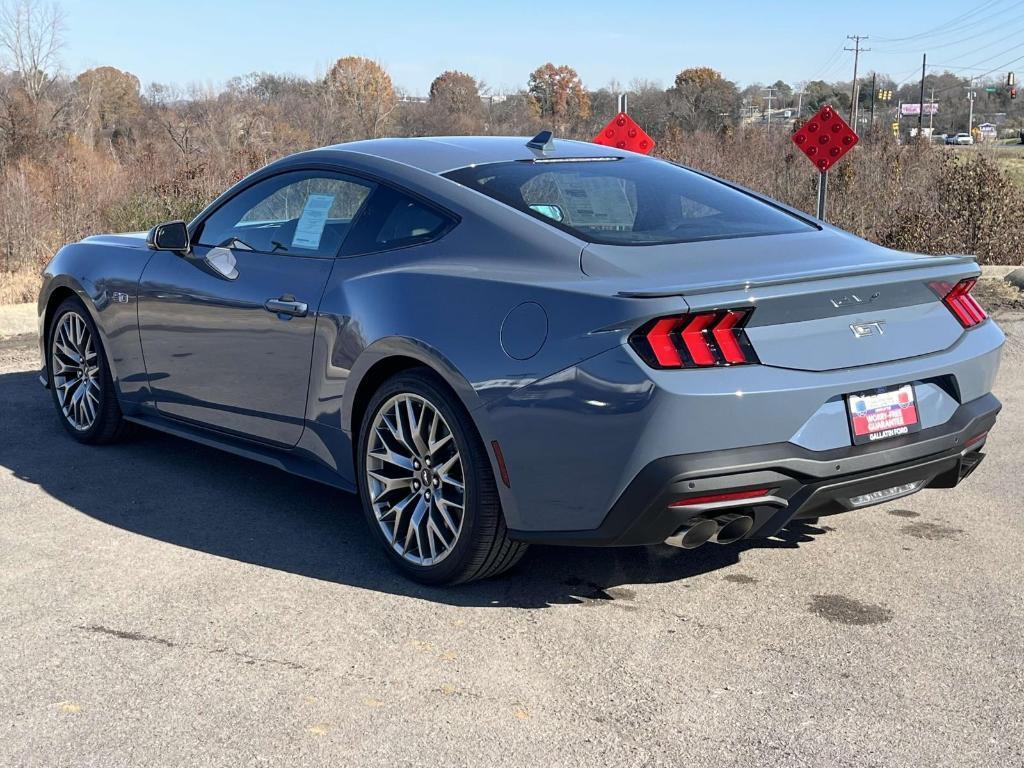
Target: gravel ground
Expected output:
[166,604]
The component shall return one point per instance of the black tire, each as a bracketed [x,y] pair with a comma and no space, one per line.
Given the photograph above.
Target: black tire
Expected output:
[482,548]
[109,424]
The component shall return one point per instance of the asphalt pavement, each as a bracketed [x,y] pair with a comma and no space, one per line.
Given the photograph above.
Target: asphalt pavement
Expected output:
[165,604]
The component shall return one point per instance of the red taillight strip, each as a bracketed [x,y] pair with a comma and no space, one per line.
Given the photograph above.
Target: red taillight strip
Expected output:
[976,439]
[717,497]
[659,337]
[501,463]
[725,337]
[959,301]
[695,340]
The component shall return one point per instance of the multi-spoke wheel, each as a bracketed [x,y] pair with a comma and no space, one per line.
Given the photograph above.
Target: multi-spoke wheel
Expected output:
[427,484]
[76,370]
[416,481]
[79,378]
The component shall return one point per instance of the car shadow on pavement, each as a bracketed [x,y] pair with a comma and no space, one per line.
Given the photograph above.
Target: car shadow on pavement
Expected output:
[191,496]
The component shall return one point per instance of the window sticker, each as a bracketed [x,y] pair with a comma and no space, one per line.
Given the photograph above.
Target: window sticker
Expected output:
[594,201]
[310,227]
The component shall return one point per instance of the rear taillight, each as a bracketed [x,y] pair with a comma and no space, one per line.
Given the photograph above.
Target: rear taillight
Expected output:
[958,299]
[695,340]
[718,498]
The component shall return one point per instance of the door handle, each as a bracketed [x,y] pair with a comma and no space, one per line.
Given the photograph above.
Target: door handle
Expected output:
[285,306]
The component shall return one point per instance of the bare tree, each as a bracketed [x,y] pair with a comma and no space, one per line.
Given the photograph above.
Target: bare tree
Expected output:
[362,93]
[31,36]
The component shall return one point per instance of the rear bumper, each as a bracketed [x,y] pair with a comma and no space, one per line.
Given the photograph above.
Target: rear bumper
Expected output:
[804,483]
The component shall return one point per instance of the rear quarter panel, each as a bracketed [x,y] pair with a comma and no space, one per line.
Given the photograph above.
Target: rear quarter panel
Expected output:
[447,305]
[437,305]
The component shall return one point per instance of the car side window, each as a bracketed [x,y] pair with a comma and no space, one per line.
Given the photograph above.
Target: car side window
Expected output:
[302,213]
[392,219]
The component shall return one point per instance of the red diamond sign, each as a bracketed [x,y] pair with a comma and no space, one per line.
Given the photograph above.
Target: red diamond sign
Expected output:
[623,132]
[825,138]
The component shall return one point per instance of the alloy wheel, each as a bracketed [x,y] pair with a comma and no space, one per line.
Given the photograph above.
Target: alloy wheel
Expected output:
[76,372]
[416,479]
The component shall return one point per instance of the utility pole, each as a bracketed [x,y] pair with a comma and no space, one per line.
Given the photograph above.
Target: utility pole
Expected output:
[920,114]
[872,124]
[857,51]
[771,95]
[970,117]
[800,104]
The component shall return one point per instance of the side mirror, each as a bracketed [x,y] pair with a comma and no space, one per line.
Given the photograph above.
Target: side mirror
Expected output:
[169,236]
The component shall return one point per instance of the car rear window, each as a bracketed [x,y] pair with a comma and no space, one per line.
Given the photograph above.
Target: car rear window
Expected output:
[628,201]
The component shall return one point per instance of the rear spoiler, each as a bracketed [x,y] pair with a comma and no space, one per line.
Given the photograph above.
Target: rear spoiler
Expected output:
[801,277]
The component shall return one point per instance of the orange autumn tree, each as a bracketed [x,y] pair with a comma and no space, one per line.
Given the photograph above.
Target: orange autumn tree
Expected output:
[559,96]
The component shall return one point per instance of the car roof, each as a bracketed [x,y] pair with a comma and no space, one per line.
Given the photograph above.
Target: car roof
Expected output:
[439,154]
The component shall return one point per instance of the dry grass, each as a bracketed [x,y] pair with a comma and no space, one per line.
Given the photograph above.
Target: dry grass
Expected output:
[19,286]
[1013,167]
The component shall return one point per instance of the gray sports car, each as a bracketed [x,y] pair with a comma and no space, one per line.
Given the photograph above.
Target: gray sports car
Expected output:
[498,341]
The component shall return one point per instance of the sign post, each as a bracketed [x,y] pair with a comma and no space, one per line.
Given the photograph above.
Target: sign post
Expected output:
[824,139]
[822,193]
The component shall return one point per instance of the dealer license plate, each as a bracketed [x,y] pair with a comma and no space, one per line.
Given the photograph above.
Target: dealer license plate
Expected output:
[883,413]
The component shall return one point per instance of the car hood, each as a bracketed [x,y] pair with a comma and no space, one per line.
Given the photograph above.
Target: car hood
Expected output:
[130,239]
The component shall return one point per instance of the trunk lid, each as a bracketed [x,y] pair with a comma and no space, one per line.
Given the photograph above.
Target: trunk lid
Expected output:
[822,300]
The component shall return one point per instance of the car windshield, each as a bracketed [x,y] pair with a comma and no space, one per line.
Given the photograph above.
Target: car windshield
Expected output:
[628,201]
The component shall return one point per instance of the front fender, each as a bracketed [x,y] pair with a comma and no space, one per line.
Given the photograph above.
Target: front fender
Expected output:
[63,284]
[105,277]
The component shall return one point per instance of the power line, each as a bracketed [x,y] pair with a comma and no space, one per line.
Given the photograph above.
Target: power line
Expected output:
[985,60]
[962,69]
[984,75]
[941,28]
[999,26]
[830,63]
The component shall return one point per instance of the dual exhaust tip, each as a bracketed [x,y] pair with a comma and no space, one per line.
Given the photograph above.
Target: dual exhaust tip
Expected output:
[724,529]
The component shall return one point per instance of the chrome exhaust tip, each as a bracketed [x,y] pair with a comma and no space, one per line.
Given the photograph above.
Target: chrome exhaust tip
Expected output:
[732,527]
[693,534]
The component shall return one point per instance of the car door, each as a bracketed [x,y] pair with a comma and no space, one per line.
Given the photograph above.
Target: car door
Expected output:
[227,329]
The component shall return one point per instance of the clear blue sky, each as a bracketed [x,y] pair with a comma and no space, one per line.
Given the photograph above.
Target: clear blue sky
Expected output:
[501,42]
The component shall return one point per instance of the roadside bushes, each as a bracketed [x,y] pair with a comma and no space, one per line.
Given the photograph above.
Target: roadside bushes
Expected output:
[928,199]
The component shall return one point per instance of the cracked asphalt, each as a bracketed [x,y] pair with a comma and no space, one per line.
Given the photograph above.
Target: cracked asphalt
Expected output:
[164,604]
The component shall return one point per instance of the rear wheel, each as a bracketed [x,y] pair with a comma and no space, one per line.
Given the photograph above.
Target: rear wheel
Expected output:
[80,380]
[426,483]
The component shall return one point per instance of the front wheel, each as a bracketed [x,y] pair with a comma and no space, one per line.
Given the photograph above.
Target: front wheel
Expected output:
[426,484]
[80,380]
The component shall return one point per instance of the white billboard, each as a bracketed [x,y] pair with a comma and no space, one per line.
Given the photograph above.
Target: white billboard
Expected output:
[915,109]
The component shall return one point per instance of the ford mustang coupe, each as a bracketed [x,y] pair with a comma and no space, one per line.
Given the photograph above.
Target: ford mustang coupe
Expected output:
[498,341]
